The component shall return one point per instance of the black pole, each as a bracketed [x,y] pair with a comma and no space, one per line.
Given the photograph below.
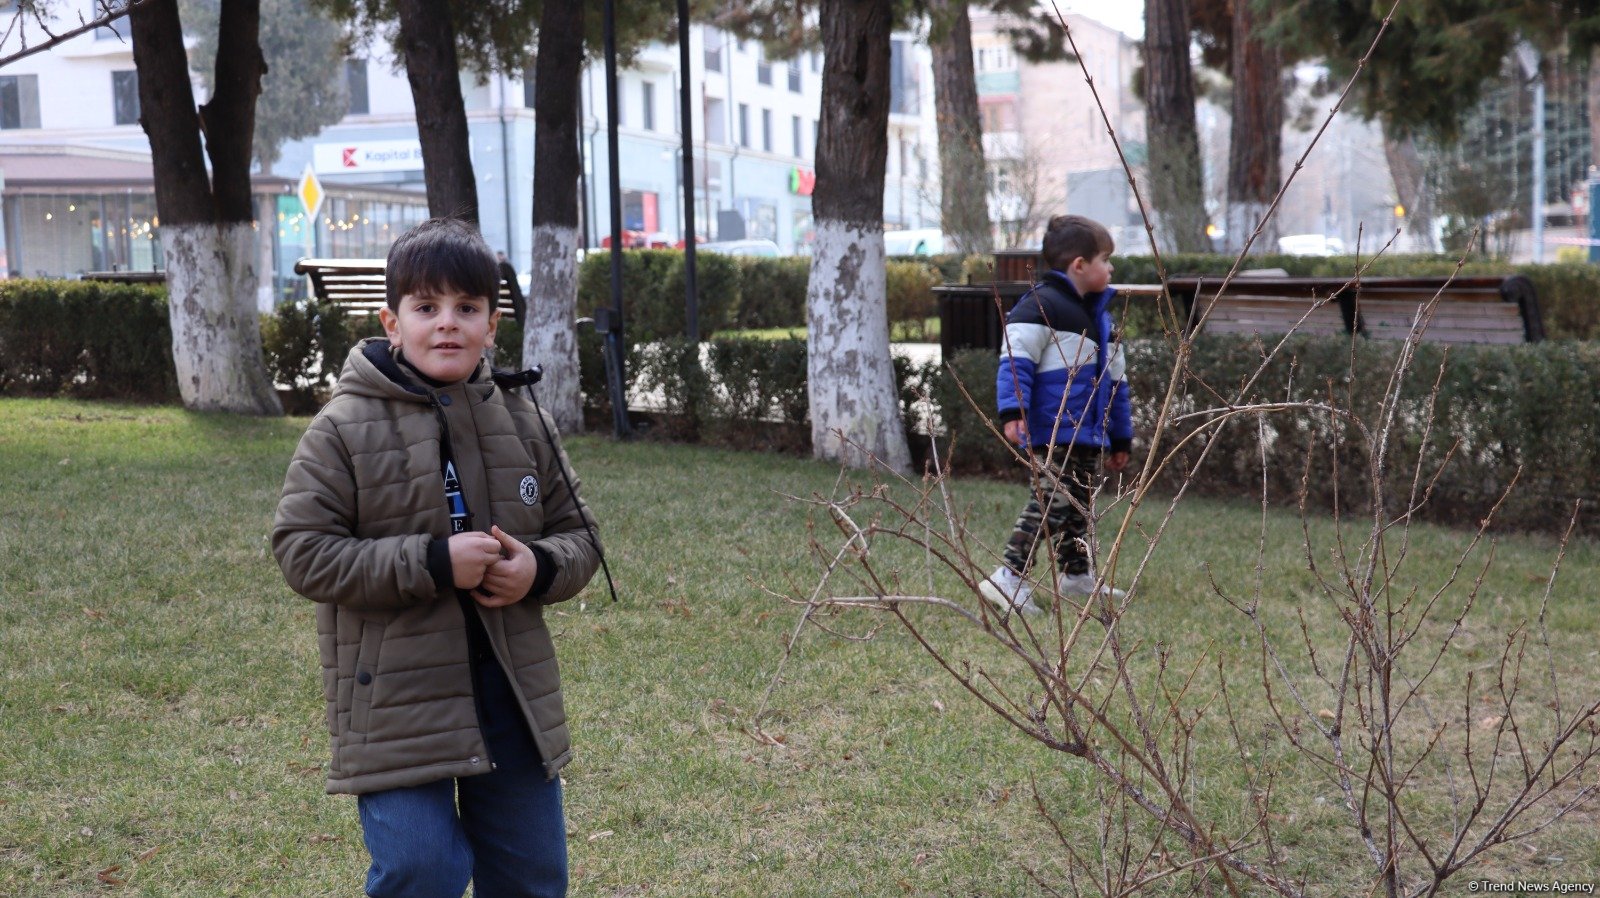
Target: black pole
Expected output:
[691,293]
[614,345]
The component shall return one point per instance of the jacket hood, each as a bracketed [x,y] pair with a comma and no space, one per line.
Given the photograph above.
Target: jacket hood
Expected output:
[372,369]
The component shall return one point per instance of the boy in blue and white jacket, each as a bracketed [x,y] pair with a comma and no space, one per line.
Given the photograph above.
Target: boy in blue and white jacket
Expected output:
[1062,391]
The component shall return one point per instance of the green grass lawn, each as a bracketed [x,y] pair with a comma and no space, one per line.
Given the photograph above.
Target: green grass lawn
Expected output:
[161,723]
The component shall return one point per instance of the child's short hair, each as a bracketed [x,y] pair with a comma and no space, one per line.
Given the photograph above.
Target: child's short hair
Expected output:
[440,254]
[1070,236]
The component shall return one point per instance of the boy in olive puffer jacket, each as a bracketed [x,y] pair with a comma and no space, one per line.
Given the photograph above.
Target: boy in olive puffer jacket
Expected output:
[426,513]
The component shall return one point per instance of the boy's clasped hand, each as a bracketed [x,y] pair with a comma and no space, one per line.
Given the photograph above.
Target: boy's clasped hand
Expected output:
[497,569]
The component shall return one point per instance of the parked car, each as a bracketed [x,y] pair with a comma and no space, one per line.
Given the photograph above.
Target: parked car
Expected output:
[741,248]
[914,242]
[1310,245]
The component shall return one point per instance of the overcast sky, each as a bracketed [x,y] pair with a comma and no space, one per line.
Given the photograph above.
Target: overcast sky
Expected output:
[1127,16]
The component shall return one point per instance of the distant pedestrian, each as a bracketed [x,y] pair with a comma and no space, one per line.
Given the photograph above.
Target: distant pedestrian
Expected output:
[519,306]
[1062,391]
[426,513]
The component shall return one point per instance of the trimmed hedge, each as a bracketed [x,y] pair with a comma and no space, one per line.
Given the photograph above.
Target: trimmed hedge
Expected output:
[1498,409]
[87,339]
[653,294]
[96,340]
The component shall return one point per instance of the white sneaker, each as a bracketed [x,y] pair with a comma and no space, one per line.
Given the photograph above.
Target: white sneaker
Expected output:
[1083,585]
[1006,590]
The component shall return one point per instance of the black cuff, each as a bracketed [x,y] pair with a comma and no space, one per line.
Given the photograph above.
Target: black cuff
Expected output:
[1010,414]
[545,575]
[1121,445]
[444,575]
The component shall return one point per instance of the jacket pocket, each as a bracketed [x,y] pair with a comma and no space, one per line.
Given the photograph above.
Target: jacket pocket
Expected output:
[366,677]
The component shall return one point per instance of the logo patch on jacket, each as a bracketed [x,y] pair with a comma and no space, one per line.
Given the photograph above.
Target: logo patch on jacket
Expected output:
[529,490]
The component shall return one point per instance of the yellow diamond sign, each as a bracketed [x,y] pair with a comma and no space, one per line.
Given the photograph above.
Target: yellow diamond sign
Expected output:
[310,193]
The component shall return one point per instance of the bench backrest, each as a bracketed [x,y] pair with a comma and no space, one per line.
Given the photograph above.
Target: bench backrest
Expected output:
[1469,309]
[357,284]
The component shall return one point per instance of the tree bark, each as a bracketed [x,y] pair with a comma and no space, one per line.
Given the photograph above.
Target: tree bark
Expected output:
[855,411]
[550,338]
[208,230]
[1410,188]
[963,178]
[428,46]
[1256,141]
[1175,176]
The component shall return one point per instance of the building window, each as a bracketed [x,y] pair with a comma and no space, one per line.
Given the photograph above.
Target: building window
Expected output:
[713,49]
[744,124]
[766,130]
[125,97]
[763,67]
[647,107]
[355,78]
[19,101]
[997,58]
[530,84]
[816,62]
[716,121]
[799,140]
[794,75]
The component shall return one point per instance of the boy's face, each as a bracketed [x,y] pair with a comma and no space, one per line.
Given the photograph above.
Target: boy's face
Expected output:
[442,334]
[1091,275]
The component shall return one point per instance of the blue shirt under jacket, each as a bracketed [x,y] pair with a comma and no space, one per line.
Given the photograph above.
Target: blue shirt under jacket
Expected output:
[1060,371]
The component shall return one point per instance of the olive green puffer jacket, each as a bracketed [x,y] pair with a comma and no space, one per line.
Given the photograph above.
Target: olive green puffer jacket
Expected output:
[362,502]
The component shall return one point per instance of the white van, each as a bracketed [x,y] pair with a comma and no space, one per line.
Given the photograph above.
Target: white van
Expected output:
[914,242]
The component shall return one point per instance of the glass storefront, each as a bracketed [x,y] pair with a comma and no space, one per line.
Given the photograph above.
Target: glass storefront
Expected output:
[71,234]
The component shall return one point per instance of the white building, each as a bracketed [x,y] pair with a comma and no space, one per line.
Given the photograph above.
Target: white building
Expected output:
[78,193]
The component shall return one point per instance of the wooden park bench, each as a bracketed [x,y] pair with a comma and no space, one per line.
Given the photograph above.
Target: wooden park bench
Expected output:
[357,284]
[1469,309]
[126,277]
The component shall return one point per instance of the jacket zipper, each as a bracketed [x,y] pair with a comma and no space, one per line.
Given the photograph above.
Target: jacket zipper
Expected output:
[469,607]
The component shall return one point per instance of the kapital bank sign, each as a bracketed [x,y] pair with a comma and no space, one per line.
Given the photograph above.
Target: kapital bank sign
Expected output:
[359,156]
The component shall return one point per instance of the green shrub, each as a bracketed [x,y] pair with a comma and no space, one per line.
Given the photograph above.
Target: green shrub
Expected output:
[909,296]
[772,292]
[653,291]
[305,344]
[1533,408]
[87,339]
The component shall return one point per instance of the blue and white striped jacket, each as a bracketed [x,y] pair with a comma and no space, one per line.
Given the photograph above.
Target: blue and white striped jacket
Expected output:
[1060,371]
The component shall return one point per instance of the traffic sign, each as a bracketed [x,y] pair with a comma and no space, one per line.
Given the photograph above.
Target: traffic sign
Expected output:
[311,194]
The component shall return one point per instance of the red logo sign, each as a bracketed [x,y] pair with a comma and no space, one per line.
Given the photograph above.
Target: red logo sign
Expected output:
[802,181]
[350,157]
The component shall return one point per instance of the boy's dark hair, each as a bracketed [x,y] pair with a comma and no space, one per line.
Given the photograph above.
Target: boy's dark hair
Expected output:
[441,254]
[1070,236]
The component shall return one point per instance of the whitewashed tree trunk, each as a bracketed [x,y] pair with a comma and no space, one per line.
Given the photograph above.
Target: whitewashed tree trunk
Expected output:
[855,412]
[216,335]
[1241,221]
[551,338]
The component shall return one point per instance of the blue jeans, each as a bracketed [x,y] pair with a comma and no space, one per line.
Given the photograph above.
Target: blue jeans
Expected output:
[504,830]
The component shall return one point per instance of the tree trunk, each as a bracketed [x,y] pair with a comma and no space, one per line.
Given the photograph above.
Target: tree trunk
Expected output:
[1594,129]
[855,411]
[963,180]
[1175,177]
[428,46]
[207,233]
[1410,188]
[1256,140]
[551,338]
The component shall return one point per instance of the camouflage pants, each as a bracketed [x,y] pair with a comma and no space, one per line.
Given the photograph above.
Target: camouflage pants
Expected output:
[1057,510]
